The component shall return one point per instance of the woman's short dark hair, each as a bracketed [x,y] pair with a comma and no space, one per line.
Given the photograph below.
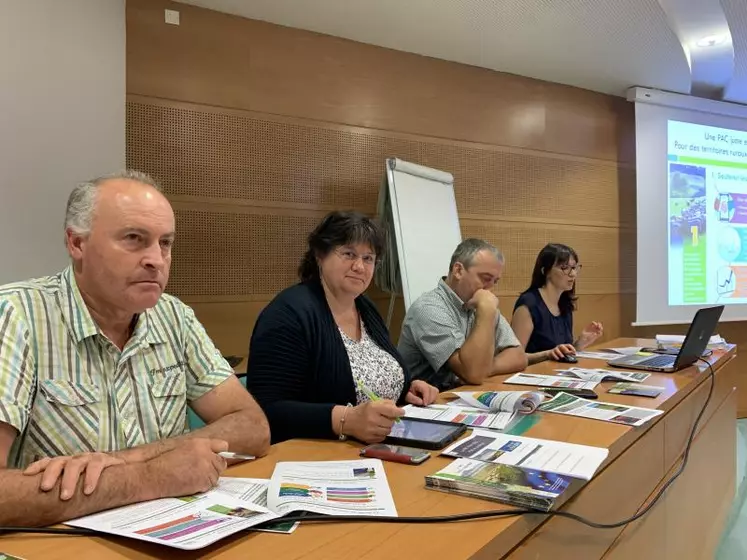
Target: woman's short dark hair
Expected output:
[551,255]
[336,229]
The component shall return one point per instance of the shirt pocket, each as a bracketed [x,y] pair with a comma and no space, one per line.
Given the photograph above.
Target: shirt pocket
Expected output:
[169,393]
[68,415]
[64,393]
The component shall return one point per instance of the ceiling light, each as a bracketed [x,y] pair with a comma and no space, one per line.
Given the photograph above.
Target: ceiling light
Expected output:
[711,41]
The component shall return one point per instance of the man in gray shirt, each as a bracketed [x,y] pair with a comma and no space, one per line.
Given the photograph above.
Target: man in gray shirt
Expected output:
[455,334]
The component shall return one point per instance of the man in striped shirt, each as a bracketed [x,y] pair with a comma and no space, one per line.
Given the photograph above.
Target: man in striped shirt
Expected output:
[97,364]
[455,334]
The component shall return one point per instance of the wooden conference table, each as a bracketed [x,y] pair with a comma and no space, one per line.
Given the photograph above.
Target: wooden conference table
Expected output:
[686,524]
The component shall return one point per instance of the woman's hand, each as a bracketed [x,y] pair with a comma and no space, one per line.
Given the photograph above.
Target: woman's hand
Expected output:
[421,393]
[591,332]
[559,351]
[372,421]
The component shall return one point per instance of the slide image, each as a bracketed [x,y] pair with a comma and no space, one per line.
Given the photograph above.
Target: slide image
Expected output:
[725,207]
[686,202]
[729,244]
[726,281]
[687,232]
[707,192]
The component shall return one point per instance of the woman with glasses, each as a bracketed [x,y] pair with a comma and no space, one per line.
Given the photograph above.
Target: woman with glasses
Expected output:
[543,314]
[321,363]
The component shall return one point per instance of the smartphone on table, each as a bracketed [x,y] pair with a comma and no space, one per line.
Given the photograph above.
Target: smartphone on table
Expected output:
[396,453]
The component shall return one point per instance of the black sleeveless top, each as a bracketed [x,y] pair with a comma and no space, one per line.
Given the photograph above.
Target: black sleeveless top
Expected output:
[549,330]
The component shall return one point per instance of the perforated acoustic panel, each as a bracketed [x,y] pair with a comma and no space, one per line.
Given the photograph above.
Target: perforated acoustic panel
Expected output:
[234,159]
[208,154]
[225,254]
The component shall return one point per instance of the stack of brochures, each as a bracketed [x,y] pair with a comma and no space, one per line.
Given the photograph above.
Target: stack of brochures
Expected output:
[515,470]
[501,483]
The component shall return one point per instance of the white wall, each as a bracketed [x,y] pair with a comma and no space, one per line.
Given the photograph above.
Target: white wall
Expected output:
[62,119]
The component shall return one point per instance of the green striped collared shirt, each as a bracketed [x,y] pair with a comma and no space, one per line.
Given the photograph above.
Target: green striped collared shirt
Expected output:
[67,389]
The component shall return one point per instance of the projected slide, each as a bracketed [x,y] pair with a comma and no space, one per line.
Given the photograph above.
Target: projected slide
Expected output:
[707,198]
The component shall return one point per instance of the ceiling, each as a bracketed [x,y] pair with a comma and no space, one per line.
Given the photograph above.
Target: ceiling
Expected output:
[601,45]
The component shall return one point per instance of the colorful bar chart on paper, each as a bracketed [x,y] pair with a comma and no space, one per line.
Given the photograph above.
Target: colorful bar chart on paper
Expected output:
[180,527]
[471,419]
[358,495]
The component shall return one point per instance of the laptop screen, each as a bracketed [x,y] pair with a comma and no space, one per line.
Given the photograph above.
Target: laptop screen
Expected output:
[700,332]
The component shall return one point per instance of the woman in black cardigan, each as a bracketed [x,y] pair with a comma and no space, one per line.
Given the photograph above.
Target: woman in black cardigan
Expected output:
[320,350]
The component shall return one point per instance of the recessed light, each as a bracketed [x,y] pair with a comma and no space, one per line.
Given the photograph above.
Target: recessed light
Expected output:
[711,41]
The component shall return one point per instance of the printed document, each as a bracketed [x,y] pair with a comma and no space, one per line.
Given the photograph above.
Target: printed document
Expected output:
[600,375]
[563,403]
[578,461]
[549,381]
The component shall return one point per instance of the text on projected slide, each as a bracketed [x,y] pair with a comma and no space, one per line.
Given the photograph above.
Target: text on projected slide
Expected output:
[707,206]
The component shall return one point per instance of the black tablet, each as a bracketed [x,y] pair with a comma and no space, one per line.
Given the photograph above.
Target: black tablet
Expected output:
[426,434]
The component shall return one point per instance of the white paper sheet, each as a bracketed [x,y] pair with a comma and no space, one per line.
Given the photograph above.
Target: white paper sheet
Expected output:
[600,375]
[356,487]
[187,523]
[598,355]
[563,403]
[624,351]
[253,490]
[549,381]
[579,461]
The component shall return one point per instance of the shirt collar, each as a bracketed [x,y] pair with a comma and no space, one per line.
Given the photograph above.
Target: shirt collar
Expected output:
[148,328]
[83,326]
[74,309]
[450,294]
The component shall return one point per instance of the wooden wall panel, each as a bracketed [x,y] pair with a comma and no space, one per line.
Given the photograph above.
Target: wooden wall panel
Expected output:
[235,155]
[222,60]
[231,254]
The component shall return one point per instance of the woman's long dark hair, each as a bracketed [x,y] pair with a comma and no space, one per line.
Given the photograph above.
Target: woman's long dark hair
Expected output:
[551,255]
[336,229]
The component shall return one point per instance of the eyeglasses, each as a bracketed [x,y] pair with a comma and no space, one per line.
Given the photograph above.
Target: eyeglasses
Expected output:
[567,269]
[352,256]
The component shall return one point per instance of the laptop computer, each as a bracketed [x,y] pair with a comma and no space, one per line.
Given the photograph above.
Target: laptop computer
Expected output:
[700,331]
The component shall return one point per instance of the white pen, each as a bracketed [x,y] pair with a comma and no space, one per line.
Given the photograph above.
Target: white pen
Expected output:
[239,456]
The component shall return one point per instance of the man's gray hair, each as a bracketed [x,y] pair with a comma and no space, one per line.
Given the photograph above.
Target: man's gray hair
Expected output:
[467,250]
[82,201]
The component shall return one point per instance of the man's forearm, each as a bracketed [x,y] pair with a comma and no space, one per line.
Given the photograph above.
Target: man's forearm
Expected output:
[23,504]
[476,354]
[509,360]
[245,431]
[146,452]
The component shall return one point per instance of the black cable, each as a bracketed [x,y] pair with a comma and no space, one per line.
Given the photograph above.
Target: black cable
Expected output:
[51,531]
[458,517]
